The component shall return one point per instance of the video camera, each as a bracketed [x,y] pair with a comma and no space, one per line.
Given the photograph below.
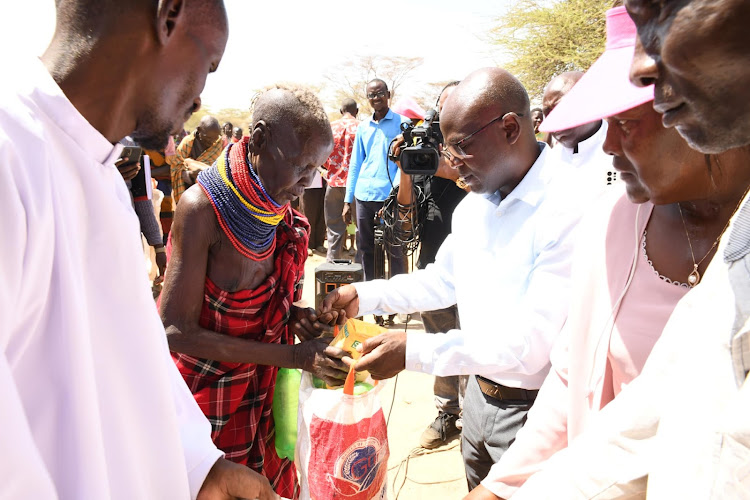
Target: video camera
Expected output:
[421,156]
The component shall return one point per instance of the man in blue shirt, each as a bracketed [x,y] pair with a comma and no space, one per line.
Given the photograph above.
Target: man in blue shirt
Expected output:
[372,176]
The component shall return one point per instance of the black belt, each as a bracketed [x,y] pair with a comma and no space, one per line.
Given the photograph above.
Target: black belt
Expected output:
[501,392]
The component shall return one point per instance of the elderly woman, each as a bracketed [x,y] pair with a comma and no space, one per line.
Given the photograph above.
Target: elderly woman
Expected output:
[637,255]
[237,258]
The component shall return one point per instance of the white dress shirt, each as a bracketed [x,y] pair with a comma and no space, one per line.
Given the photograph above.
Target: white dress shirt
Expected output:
[92,405]
[681,429]
[507,266]
[589,155]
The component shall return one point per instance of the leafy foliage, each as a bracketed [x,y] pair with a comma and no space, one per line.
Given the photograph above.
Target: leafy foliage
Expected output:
[544,39]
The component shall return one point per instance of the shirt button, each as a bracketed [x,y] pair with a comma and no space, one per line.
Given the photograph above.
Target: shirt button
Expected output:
[499,213]
[418,366]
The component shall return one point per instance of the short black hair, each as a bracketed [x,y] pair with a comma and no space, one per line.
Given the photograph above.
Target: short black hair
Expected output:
[447,86]
[349,105]
[377,80]
[95,18]
[209,123]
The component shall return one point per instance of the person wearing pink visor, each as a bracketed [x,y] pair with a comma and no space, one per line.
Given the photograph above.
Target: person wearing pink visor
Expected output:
[408,107]
[637,255]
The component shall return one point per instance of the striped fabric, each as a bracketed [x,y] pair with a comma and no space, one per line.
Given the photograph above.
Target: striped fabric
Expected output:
[738,245]
[177,163]
[237,397]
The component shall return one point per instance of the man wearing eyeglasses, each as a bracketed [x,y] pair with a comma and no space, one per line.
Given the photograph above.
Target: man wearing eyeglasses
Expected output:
[506,264]
[372,176]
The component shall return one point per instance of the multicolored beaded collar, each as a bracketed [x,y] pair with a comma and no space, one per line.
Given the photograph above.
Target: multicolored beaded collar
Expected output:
[245,211]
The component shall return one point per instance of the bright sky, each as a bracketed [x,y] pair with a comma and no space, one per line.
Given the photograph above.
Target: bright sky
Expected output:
[301,40]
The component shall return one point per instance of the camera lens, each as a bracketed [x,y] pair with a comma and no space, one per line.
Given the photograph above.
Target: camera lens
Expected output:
[422,160]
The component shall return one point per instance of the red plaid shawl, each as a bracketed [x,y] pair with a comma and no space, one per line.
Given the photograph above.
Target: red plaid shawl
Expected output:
[236,397]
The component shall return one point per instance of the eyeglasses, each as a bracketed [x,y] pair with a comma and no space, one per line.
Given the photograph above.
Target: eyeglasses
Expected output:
[457,151]
[375,95]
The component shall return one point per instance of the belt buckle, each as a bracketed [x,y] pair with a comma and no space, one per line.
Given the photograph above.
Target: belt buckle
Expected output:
[490,389]
[496,393]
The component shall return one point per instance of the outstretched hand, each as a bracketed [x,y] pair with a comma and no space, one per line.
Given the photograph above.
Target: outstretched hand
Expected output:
[322,360]
[227,480]
[384,356]
[306,324]
[340,304]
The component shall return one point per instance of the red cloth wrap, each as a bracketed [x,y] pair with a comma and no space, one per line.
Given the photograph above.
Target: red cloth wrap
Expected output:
[237,397]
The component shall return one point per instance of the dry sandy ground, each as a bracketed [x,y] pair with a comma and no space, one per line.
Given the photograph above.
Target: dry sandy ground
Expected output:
[414,473]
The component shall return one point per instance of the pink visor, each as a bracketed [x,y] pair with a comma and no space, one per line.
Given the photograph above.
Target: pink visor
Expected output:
[409,108]
[605,89]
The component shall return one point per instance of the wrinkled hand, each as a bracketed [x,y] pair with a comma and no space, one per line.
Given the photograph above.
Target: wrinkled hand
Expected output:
[342,301]
[306,325]
[322,360]
[128,171]
[161,263]
[346,213]
[481,493]
[383,356]
[227,481]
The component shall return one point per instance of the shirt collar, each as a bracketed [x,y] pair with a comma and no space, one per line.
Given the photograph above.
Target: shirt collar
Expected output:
[592,143]
[390,115]
[37,85]
[738,245]
[532,187]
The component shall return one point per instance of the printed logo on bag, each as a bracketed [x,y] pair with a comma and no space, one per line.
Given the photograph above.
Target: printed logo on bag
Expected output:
[348,461]
[359,464]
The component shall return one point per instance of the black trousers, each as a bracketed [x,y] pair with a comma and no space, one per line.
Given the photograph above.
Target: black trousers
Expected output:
[366,211]
[312,206]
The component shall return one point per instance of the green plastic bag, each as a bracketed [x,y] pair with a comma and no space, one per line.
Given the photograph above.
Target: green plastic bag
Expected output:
[284,409]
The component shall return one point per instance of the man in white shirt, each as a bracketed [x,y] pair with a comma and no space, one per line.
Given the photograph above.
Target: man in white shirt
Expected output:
[579,148]
[92,405]
[506,264]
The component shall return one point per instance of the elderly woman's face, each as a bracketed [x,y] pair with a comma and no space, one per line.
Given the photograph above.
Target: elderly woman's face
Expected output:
[655,163]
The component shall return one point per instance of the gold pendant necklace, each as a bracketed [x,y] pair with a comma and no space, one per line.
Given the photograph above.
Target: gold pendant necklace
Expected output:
[695,277]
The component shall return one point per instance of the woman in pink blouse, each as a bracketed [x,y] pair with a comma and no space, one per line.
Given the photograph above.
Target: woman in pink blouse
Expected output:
[636,255]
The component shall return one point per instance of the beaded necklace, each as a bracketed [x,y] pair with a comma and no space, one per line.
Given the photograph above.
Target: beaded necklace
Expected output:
[245,211]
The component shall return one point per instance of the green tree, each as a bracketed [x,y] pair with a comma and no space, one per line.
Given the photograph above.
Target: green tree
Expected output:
[543,39]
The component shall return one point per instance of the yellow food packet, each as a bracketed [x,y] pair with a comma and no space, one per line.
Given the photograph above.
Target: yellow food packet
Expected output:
[353,333]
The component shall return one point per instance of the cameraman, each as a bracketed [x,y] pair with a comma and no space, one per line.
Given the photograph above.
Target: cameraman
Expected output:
[442,195]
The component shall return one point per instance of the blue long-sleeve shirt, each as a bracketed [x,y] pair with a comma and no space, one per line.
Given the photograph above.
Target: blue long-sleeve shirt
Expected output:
[369,167]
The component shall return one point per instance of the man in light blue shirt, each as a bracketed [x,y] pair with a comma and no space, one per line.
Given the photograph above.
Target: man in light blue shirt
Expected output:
[372,176]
